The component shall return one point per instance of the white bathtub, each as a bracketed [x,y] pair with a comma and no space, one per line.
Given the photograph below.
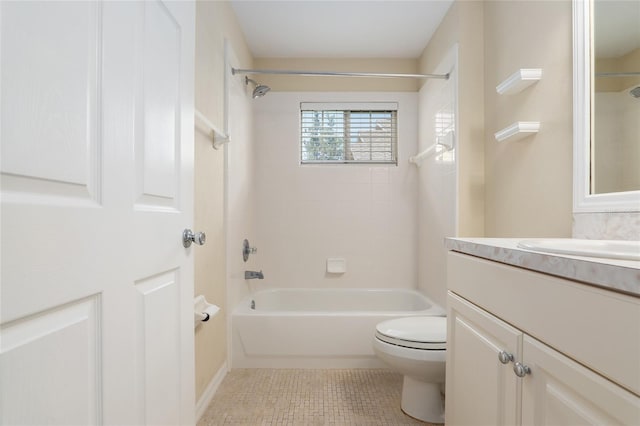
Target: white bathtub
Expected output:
[318,328]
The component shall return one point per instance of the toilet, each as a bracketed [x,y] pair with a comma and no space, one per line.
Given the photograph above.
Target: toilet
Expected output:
[416,348]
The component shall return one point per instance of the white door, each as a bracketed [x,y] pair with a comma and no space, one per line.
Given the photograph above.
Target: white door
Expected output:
[481,390]
[96,159]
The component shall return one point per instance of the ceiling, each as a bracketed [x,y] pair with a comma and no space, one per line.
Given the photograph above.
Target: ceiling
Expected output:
[339,29]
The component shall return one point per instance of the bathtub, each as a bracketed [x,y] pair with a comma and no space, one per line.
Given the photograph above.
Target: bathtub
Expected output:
[317,328]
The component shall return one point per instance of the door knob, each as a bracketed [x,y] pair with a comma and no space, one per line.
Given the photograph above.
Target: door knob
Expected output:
[189,237]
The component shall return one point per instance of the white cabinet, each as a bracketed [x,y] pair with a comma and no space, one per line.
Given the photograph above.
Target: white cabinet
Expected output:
[499,315]
[480,389]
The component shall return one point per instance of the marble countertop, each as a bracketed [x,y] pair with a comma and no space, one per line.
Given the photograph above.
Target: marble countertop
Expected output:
[618,275]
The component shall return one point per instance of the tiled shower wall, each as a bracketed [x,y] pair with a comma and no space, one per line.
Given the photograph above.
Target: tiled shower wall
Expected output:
[437,193]
[305,214]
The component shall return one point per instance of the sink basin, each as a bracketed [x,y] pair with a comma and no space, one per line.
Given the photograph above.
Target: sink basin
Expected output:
[608,249]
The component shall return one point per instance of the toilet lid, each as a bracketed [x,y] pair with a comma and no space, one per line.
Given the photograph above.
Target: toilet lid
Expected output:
[414,332]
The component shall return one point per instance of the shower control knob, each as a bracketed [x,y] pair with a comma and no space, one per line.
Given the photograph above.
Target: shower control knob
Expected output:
[521,370]
[505,357]
[188,237]
[247,250]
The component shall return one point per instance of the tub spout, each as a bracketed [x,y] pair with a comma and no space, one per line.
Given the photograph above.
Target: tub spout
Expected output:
[252,275]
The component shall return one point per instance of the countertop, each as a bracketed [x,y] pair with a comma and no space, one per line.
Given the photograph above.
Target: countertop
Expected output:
[617,275]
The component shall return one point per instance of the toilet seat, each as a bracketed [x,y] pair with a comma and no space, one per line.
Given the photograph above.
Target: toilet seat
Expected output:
[427,333]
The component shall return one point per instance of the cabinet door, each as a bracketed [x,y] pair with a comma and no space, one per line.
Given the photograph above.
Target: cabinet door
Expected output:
[559,391]
[480,389]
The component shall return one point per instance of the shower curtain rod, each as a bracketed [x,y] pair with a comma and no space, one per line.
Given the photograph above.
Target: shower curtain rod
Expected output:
[338,74]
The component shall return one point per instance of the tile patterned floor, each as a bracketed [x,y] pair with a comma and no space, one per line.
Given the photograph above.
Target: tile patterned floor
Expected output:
[308,397]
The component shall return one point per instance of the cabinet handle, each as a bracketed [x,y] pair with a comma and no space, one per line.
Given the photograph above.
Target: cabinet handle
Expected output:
[521,370]
[505,357]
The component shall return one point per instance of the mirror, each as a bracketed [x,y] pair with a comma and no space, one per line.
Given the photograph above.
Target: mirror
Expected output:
[615,106]
[606,105]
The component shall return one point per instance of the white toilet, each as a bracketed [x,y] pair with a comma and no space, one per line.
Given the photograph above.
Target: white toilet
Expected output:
[416,348]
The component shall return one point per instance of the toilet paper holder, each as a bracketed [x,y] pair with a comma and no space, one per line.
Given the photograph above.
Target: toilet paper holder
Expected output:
[203,310]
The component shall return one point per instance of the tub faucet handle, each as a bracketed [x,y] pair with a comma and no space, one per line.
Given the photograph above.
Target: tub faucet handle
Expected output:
[247,250]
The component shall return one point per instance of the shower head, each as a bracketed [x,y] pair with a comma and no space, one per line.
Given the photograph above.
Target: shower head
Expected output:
[635,92]
[260,90]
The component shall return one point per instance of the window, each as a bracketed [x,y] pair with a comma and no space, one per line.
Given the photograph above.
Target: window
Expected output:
[348,133]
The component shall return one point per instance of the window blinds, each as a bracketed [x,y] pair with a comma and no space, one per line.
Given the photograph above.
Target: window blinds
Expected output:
[348,133]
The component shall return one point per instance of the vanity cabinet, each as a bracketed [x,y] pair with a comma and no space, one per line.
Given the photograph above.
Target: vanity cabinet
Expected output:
[576,347]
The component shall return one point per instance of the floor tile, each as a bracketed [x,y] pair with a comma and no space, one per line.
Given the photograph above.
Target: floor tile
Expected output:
[296,397]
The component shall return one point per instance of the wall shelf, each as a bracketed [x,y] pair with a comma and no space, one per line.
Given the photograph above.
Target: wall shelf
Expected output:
[519,80]
[518,130]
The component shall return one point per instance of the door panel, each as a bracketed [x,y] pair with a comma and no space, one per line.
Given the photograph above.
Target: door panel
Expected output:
[51,174]
[158,345]
[158,146]
[50,104]
[44,350]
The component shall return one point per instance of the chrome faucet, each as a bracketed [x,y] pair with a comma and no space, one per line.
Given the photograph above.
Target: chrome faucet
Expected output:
[252,275]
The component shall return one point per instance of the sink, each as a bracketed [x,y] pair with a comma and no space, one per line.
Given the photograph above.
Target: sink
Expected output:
[608,249]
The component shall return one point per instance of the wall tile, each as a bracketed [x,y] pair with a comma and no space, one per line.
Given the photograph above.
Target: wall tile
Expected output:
[307,213]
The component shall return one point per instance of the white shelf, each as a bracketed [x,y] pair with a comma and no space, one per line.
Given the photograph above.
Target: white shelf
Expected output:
[519,80]
[518,130]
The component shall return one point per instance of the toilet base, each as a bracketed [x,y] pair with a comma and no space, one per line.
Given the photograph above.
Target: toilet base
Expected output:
[422,400]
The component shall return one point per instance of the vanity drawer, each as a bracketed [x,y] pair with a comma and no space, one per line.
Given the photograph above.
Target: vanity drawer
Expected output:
[596,327]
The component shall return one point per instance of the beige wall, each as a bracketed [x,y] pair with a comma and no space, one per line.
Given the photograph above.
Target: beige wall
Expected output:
[292,83]
[215,21]
[521,188]
[528,183]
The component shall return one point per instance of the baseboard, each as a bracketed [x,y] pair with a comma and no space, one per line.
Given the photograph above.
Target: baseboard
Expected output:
[210,391]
